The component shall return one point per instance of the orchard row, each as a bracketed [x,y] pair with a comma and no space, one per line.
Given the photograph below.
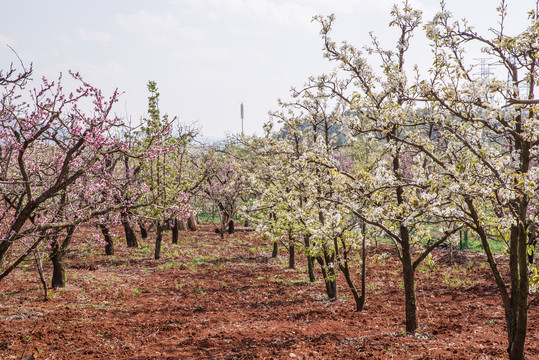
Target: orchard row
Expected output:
[376,148]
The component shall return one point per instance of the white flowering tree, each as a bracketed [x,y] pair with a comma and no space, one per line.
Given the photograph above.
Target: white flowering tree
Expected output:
[392,194]
[459,149]
[490,165]
[271,206]
[303,191]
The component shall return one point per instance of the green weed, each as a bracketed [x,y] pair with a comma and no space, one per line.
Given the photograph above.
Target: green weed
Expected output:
[144,249]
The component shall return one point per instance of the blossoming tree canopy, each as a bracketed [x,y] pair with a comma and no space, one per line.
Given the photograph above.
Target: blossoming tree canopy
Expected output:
[49,141]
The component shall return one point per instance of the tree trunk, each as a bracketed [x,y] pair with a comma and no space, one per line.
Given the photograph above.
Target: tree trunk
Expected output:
[409,289]
[130,235]
[332,283]
[310,258]
[158,240]
[359,300]
[57,256]
[328,272]
[516,304]
[167,226]
[143,231]
[406,258]
[345,269]
[182,226]
[224,223]
[518,264]
[175,232]
[231,226]
[192,223]
[275,251]
[222,228]
[291,253]
[364,264]
[109,247]
[58,272]
[20,220]
[310,268]
[39,265]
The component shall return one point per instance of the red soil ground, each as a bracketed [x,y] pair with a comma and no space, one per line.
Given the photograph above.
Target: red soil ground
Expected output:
[213,299]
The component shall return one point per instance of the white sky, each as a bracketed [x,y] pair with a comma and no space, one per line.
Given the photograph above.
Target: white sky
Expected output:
[206,56]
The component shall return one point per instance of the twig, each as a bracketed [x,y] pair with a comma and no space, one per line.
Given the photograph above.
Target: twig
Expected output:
[28,342]
[39,265]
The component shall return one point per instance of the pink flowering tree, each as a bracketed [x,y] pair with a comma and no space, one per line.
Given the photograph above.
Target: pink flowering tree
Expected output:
[54,145]
[225,184]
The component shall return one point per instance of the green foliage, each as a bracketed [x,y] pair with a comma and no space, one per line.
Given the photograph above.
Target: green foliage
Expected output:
[166,173]
[458,276]
[144,249]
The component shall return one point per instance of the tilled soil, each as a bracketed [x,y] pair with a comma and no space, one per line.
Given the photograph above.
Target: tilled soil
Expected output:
[208,298]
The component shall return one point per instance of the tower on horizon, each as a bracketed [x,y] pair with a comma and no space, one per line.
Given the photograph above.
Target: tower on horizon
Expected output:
[241,114]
